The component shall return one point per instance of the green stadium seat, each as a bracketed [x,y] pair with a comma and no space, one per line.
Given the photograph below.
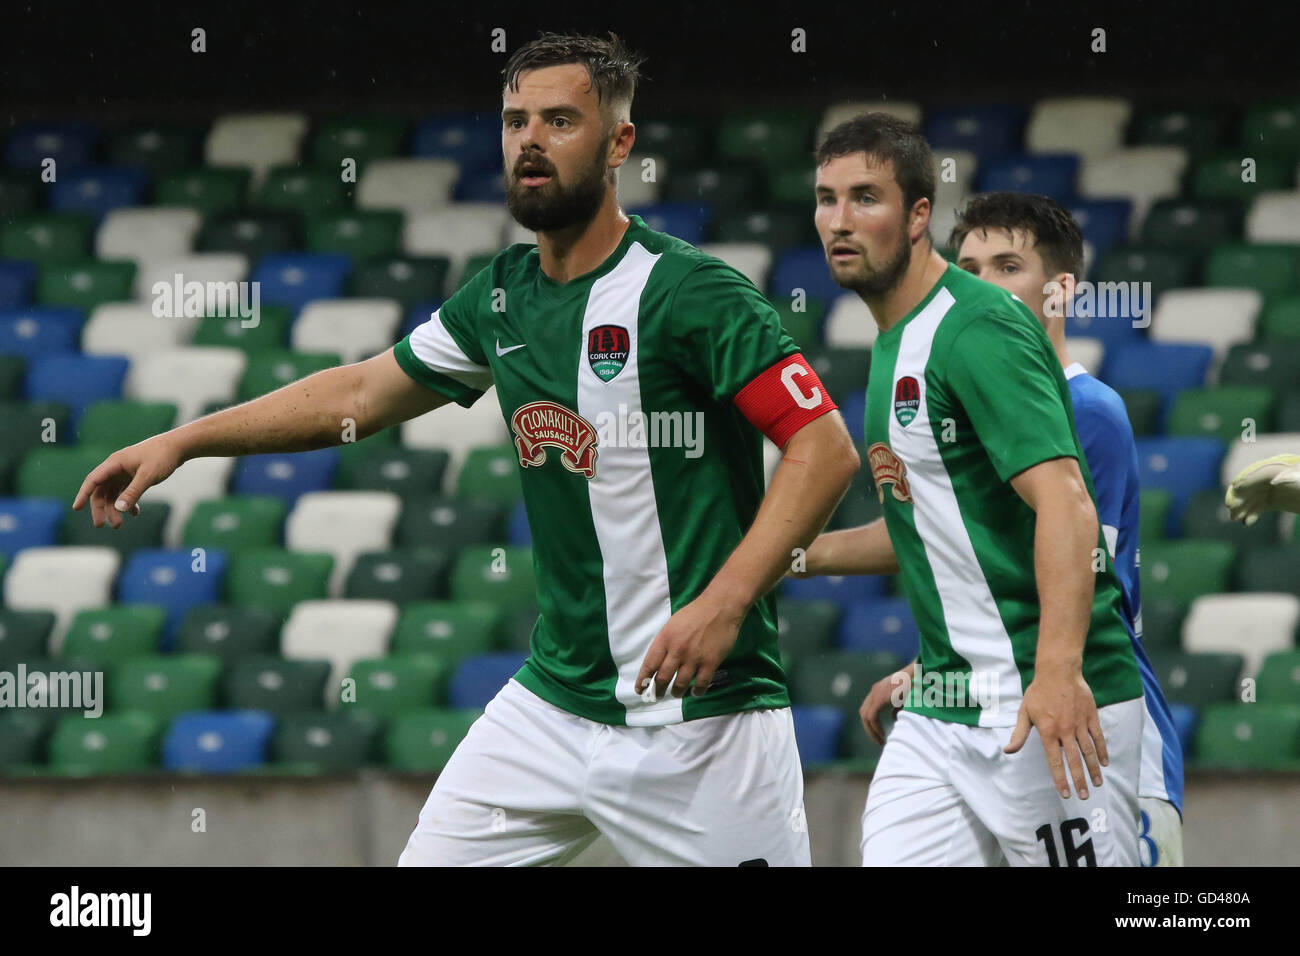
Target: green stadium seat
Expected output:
[860,505]
[1269,268]
[22,739]
[305,191]
[278,686]
[110,743]
[278,579]
[360,138]
[803,325]
[1198,680]
[775,137]
[423,742]
[501,575]
[1143,407]
[451,630]
[1249,737]
[1275,366]
[400,576]
[157,148]
[410,280]
[806,628]
[1154,506]
[1278,681]
[519,626]
[1183,570]
[1279,320]
[398,684]
[474,265]
[779,227]
[47,238]
[1220,412]
[409,472]
[491,474]
[792,184]
[110,635]
[57,471]
[85,284]
[272,369]
[362,234]
[437,521]
[861,752]
[236,523]
[843,371]
[144,530]
[840,679]
[271,331]
[20,193]
[683,139]
[1186,224]
[1162,624]
[1195,128]
[209,189]
[13,370]
[251,234]
[329,742]
[1164,268]
[24,635]
[120,422]
[1207,518]
[228,632]
[1287,418]
[1275,124]
[722,188]
[1269,568]
[165,685]
[1219,175]
[28,425]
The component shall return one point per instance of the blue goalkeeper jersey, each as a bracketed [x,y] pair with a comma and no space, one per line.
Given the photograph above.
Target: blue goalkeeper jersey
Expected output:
[1107,438]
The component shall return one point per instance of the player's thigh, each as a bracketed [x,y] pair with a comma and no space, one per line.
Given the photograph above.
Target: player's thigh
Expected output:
[1035,826]
[914,815]
[1160,836]
[510,795]
[716,791]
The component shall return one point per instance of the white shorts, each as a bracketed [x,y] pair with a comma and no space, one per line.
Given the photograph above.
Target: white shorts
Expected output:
[534,784]
[1160,834]
[944,794]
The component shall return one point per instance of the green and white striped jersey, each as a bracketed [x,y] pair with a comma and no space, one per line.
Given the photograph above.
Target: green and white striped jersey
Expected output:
[640,475]
[966,392]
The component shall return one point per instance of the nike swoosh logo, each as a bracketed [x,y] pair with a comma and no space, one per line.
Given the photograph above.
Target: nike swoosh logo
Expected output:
[501,351]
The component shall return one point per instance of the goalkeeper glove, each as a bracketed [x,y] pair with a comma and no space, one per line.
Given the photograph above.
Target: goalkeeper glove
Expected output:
[1271,483]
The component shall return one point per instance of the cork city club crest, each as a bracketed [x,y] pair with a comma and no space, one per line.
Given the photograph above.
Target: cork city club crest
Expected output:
[607,350]
[888,469]
[907,400]
[538,425]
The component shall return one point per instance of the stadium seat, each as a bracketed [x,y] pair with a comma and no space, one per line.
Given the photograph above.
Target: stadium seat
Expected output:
[1252,625]
[1207,518]
[98,189]
[275,368]
[277,686]
[236,523]
[154,146]
[409,280]
[844,371]
[1249,736]
[1278,681]
[47,238]
[988,131]
[1224,174]
[751,259]
[164,685]
[1047,174]
[110,743]
[1091,126]
[520,623]
[17,278]
[840,679]
[257,141]
[51,470]
[803,268]
[131,329]
[190,378]
[1269,269]
[1162,624]
[361,234]
[143,234]
[448,523]
[457,430]
[123,421]
[1185,719]
[13,370]
[178,580]
[1280,319]
[113,634]
[456,232]
[406,472]
[1274,217]
[86,283]
[1268,568]
[39,331]
[328,742]
[492,474]
[1225,413]
[518,531]
[24,635]
[22,739]
[62,580]
[817,731]
[1198,680]
[802,320]
[1163,268]
[639,178]
[251,234]
[355,329]
[470,140]
[772,136]
[860,504]
[213,271]
[685,220]
[76,380]
[504,576]
[67,143]
[194,481]
[412,185]
[1184,570]
[880,624]
[269,332]
[277,579]
[398,576]
[304,191]
[29,523]
[450,630]
[1088,352]
[142,531]
[1182,466]
[356,138]
[806,628]
[776,228]
[397,684]
[1275,365]
[423,742]
[341,632]
[1193,127]
[1141,174]
[343,524]
[1104,224]
[217,742]
[849,323]
[476,680]
[294,279]
[732,185]
[286,476]
[209,190]
[228,632]
[843,590]
[834,115]
[1218,317]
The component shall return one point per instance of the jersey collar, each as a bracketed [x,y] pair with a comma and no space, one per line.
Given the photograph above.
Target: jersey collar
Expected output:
[1074,369]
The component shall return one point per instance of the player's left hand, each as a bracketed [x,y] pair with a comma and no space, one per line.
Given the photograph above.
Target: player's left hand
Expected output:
[1063,709]
[691,646]
[1264,485]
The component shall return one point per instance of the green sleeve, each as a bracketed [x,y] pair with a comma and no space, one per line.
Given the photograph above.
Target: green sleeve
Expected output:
[724,332]
[1004,373]
[445,354]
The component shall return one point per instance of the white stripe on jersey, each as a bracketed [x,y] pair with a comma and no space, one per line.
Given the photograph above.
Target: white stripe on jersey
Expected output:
[434,346]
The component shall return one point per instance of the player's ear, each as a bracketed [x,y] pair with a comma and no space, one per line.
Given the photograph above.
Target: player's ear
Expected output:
[920,219]
[1060,292]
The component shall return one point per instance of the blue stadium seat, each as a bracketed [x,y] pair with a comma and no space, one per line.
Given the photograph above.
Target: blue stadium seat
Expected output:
[40,330]
[28,523]
[854,409]
[481,185]
[286,476]
[844,591]
[880,624]
[1109,319]
[1185,720]
[98,189]
[169,578]
[987,131]
[817,733]
[294,279]
[1165,367]
[1047,174]
[517,528]
[1181,466]
[76,379]
[472,139]
[68,144]
[17,276]
[217,741]
[685,220]
[1103,222]
[803,268]
[478,678]
[417,316]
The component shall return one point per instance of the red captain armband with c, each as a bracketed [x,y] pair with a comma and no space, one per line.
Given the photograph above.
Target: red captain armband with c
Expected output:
[783,399]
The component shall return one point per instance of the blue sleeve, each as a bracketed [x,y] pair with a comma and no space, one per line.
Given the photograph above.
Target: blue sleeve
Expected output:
[1107,439]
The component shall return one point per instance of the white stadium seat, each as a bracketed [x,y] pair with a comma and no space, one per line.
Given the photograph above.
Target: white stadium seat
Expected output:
[955,176]
[751,259]
[1090,126]
[516,233]
[458,430]
[210,269]
[131,329]
[355,329]
[191,378]
[257,141]
[411,185]
[343,523]
[1140,174]
[199,479]
[341,632]
[849,323]
[1252,625]
[147,233]
[1088,352]
[840,112]
[1274,217]
[1217,317]
[1240,454]
[62,580]
[948,199]
[457,231]
[634,189]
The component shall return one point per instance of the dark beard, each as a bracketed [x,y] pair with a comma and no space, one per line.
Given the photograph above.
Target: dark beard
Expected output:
[889,275]
[554,206]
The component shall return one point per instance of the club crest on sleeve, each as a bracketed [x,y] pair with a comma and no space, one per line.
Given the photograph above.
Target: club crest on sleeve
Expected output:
[907,399]
[888,469]
[541,424]
[607,350]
